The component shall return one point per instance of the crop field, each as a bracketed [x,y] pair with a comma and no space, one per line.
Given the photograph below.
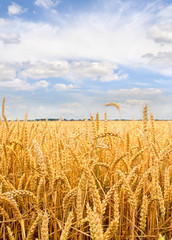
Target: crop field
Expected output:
[84,180]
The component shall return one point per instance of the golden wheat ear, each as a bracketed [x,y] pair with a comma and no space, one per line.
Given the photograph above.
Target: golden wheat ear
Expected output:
[44,227]
[3,115]
[67,227]
[115,105]
[10,233]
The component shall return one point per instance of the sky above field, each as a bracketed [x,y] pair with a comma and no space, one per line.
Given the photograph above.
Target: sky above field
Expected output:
[70,57]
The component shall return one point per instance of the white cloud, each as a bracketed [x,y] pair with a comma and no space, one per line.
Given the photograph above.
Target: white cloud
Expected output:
[161,62]
[71,105]
[141,84]
[66,111]
[76,70]
[6,72]
[41,84]
[9,79]
[161,33]
[90,36]
[64,87]
[120,38]
[104,36]
[137,101]
[17,84]
[47,70]
[3,22]
[15,9]
[46,3]
[92,44]
[10,38]
[102,71]
[165,13]
[23,107]
[160,58]
[163,82]
[146,92]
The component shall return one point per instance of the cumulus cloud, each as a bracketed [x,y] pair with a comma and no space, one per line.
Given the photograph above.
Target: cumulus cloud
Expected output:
[137,101]
[22,85]
[6,72]
[161,58]
[100,71]
[46,3]
[64,87]
[9,79]
[15,9]
[72,105]
[161,33]
[47,70]
[146,92]
[10,38]
[41,84]
[161,62]
[161,29]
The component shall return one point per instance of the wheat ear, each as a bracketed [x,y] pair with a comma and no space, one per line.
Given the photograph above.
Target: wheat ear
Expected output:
[143,214]
[44,227]
[94,220]
[30,235]
[67,227]
[10,233]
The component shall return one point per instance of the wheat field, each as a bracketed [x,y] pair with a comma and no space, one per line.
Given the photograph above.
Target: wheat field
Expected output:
[84,180]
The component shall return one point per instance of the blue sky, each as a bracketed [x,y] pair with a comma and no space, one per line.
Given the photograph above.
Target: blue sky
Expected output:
[69,58]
